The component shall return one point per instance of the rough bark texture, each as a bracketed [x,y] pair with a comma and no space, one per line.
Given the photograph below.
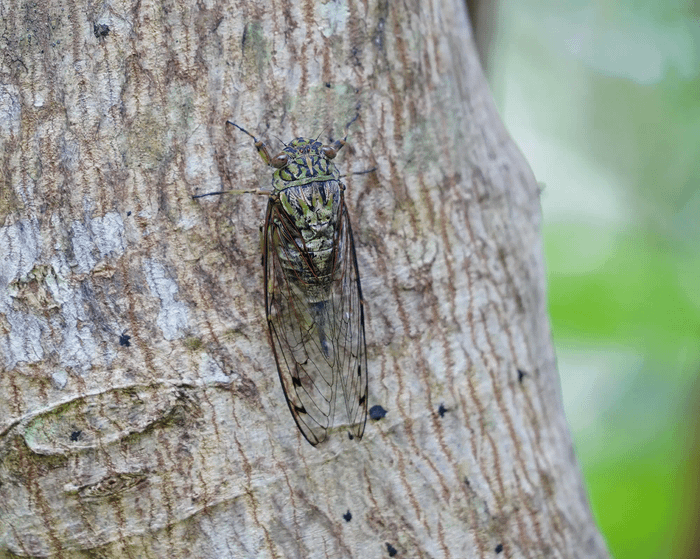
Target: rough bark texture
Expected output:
[141,411]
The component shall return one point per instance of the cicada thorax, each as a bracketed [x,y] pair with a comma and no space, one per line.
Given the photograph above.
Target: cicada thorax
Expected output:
[307,232]
[308,200]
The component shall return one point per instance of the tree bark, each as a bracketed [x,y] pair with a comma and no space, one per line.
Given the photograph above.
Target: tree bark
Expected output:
[142,415]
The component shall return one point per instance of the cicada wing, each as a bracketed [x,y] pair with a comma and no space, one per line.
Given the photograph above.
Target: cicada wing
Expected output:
[349,331]
[304,359]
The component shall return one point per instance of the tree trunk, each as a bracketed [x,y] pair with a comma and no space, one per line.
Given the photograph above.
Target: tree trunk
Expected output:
[142,415]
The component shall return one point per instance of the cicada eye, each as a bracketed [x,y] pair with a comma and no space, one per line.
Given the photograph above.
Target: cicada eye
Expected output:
[279,161]
[329,152]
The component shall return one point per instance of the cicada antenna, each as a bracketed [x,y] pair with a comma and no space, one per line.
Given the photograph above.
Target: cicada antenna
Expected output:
[260,191]
[365,172]
[321,132]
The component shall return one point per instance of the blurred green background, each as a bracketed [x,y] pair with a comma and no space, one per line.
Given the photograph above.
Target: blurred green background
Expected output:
[603,98]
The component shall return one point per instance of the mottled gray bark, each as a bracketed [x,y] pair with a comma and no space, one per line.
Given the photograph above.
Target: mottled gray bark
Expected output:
[141,411]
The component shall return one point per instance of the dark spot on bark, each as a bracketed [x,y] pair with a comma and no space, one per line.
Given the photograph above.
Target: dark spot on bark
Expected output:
[377,412]
[100,30]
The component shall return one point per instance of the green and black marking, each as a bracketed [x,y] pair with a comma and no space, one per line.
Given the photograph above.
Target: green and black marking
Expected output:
[313,296]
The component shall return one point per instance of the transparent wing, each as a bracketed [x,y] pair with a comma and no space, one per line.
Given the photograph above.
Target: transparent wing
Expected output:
[349,321]
[316,328]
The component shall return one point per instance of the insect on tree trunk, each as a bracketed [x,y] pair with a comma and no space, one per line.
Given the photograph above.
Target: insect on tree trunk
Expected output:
[142,414]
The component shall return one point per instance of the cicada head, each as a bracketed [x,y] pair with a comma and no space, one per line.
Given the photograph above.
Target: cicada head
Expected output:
[303,161]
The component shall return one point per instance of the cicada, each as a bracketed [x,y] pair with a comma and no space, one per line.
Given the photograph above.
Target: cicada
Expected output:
[313,297]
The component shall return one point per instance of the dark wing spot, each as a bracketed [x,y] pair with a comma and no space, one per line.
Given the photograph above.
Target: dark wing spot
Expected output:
[521,374]
[442,410]
[359,370]
[391,549]
[362,399]
[347,516]
[499,548]
[300,409]
[75,435]
[296,381]
[124,340]
[377,412]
